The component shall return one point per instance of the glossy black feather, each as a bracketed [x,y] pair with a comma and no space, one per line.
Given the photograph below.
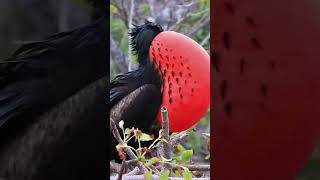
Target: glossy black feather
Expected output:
[41,74]
[124,84]
[100,8]
[135,96]
[52,122]
[141,39]
[66,142]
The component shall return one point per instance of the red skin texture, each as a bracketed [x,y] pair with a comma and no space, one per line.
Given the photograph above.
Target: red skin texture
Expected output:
[185,68]
[266,95]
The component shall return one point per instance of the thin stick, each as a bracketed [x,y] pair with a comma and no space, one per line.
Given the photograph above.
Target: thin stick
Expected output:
[178,137]
[129,38]
[199,167]
[115,132]
[135,171]
[165,149]
[122,170]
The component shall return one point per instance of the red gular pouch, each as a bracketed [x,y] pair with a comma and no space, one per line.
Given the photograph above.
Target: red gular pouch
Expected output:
[184,67]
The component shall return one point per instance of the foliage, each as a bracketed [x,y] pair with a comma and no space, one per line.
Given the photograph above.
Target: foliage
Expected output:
[180,159]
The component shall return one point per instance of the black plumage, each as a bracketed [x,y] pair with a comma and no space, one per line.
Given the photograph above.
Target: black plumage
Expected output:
[32,78]
[52,110]
[135,97]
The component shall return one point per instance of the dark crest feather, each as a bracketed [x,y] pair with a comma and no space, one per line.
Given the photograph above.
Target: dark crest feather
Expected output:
[141,38]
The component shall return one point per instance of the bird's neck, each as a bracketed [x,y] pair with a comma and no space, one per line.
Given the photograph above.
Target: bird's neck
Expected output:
[150,74]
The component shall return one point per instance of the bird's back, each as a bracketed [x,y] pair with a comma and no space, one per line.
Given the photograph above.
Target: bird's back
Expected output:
[48,128]
[41,74]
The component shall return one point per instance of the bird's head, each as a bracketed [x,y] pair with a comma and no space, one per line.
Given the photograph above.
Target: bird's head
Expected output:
[141,38]
[184,67]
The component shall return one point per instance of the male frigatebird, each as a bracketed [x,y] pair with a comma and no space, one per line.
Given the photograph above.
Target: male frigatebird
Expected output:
[173,72]
[52,106]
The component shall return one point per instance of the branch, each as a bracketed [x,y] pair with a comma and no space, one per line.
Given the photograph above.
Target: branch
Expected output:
[129,38]
[122,11]
[115,132]
[122,170]
[165,149]
[205,40]
[169,12]
[178,137]
[204,21]
[117,56]
[184,15]
[135,171]
[197,167]
[114,167]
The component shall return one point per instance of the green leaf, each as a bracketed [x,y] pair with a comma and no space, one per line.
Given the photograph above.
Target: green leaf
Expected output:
[175,174]
[148,175]
[207,157]
[186,155]
[180,148]
[187,175]
[121,123]
[154,160]
[145,137]
[128,131]
[164,175]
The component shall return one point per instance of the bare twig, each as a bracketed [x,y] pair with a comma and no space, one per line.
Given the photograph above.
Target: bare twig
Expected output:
[115,132]
[205,40]
[122,170]
[121,9]
[114,167]
[129,38]
[135,171]
[165,149]
[185,16]
[200,12]
[204,21]
[121,12]
[178,137]
[117,56]
[198,167]
[170,12]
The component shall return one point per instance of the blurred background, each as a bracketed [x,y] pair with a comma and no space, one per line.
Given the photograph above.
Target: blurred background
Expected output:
[312,169]
[31,20]
[191,18]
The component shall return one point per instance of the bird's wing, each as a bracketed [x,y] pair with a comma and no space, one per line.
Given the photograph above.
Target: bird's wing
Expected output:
[137,109]
[20,97]
[41,74]
[123,85]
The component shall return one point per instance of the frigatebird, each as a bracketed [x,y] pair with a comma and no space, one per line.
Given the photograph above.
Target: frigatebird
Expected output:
[52,106]
[173,72]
